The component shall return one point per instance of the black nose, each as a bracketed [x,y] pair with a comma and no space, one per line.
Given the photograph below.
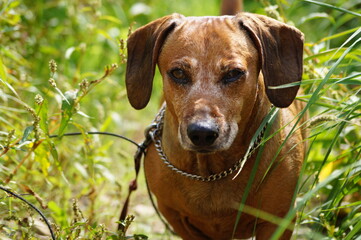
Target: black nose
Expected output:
[202,134]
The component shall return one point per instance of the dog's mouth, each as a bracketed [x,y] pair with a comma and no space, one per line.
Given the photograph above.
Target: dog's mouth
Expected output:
[203,150]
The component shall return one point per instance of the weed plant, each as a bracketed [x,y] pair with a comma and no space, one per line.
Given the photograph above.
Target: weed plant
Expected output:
[62,66]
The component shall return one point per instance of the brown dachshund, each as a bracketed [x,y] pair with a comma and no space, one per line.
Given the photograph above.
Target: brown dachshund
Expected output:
[218,74]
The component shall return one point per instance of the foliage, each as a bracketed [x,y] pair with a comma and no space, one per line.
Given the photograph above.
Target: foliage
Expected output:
[62,70]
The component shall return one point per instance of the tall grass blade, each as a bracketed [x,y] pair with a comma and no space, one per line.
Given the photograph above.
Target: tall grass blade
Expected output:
[333,7]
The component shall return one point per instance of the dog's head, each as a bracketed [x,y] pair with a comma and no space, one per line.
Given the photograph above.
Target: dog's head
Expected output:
[210,68]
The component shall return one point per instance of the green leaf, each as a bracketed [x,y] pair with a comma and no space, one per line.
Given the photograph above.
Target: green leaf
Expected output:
[42,111]
[333,7]
[3,78]
[53,151]
[104,34]
[2,70]
[69,52]
[354,232]
[41,156]
[81,169]
[338,35]
[26,134]
[110,19]
[68,109]
[59,214]
[314,16]
[62,95]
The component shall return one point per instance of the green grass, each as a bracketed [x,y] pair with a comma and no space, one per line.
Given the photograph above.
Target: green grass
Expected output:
[80,182]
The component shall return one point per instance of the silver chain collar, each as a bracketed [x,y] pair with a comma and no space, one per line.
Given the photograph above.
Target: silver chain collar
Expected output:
[154,131]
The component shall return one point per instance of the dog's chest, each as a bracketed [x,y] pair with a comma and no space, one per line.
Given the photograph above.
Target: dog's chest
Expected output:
[192,197]
[212,198]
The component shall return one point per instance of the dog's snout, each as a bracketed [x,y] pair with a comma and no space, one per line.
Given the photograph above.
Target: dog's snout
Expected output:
[202,135]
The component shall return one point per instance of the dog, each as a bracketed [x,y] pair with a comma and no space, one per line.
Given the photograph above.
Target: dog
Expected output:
[219,84]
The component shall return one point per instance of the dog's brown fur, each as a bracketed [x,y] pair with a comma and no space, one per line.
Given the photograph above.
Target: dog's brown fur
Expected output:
[206,50]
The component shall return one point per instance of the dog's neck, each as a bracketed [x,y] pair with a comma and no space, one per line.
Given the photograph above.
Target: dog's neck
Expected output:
[207,164]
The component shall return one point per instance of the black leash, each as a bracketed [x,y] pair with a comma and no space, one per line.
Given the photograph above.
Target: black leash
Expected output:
[99,133]
[132,186]
[33,207]
[140,153]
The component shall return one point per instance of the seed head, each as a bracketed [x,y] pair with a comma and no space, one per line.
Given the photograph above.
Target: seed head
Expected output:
[53,66]
[52,82]
[39,99]
[84,85]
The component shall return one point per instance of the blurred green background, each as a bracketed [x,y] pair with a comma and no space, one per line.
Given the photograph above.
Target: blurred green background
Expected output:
[84,37]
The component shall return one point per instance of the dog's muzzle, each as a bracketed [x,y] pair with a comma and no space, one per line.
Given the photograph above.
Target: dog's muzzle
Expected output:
[202,134]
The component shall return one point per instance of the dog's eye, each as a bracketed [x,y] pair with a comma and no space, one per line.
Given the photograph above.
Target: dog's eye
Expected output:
[233,76]
[179,76]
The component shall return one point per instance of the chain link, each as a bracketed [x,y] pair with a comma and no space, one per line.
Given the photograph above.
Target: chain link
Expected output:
[154,132]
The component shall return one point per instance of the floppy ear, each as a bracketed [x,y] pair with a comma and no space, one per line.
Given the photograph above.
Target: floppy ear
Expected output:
[144,46]
[281,48]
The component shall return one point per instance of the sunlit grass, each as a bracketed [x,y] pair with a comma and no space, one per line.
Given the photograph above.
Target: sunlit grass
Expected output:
[83,180]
